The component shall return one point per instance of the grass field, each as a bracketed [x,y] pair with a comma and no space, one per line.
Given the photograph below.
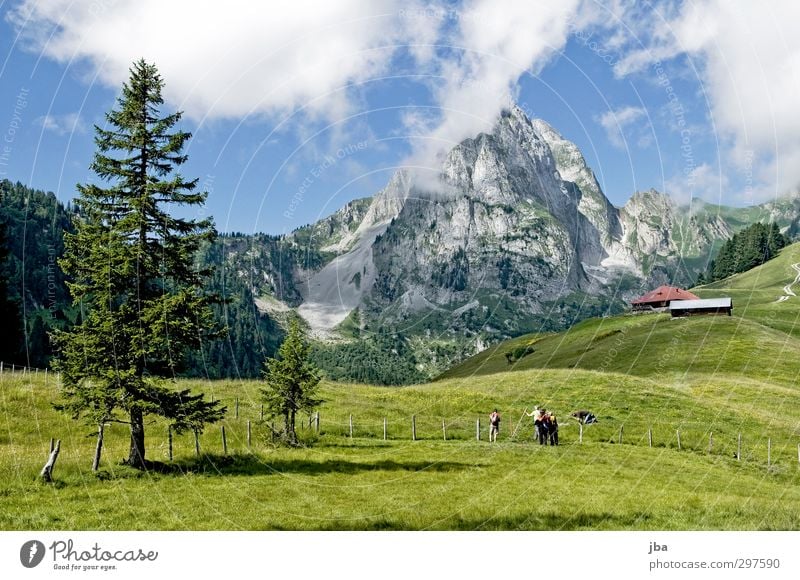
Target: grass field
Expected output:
[367,483]
[705,379]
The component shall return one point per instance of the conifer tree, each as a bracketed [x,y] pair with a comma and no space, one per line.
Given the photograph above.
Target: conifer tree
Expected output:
[133,274]
[291,381]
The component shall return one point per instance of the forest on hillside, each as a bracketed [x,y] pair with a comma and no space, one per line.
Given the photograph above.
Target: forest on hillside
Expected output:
[35,301]
[745,250]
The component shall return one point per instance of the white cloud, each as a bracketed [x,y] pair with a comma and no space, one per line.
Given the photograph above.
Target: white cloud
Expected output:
[493,43]
[746,56]
[62,124]
[233,59]
[617,123]
[704,182]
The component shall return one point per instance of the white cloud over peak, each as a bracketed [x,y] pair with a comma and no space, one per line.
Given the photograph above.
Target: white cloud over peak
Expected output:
[493,44]
[247,58]
[746,56]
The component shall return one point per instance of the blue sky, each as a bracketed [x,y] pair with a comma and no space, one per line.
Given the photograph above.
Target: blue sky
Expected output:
[295,112]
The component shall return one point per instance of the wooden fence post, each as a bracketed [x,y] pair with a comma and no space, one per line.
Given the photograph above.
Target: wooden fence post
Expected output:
[316,423]
[478,429]
[47,470]
[678,433]
[650,437]
[769,452]
[580,431]
[621,429]
[351,425]
[99,447]
[444,430]
[196,443]
[237,407]
[413,427]
[384,428]
[224,442]
[249,434]
[1,366]
[169,440]
[739,448]
[710,441]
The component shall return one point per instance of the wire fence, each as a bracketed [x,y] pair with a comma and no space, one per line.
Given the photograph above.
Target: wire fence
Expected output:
[248,425]
[246,435]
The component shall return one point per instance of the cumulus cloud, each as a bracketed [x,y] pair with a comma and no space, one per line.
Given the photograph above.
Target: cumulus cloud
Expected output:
[247,58]
[746,56]
[617,122]
[233,59]
[61,124]
[492,44]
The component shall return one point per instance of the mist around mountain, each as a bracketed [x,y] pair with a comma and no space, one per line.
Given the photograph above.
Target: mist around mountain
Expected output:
[514,236]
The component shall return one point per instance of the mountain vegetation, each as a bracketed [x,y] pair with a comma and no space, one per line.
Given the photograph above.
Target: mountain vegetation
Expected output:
[38,301]
[745,250]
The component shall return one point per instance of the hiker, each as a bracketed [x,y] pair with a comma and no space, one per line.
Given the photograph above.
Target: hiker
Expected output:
[544,430]
[494,425]
[540,422]
[552,429]
[584,417]
[537,421]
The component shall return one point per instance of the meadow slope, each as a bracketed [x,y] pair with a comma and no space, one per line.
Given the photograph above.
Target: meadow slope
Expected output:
[364,482]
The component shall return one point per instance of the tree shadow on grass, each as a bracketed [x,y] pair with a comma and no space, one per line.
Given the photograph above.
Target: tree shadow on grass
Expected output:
[253,465]
[548,521]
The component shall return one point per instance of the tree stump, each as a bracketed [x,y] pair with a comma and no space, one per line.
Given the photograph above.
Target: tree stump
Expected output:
[47,470]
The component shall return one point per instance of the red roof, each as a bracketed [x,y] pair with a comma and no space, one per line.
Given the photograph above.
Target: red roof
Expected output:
[665,294]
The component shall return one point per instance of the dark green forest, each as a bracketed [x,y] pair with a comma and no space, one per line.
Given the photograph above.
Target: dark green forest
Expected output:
[37,300]
[747,249]
[34,299]
[384,358]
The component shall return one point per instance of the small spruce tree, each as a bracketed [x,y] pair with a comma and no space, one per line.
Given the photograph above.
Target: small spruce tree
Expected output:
[291,381]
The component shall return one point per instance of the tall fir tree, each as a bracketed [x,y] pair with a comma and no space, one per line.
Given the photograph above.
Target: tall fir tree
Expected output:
[291,381]
[133,274]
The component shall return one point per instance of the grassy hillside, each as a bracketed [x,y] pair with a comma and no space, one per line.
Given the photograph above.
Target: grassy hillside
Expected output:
[368,483]
[758,343]
[705,379]
[756,293]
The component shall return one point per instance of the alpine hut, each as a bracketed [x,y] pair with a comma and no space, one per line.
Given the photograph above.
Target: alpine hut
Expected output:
[660,298]
[706,306]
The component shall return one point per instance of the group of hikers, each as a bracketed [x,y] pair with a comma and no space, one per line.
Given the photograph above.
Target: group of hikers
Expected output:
[545,424]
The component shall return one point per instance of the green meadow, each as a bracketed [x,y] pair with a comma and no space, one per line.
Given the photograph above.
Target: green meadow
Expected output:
[699,427]
[336,482]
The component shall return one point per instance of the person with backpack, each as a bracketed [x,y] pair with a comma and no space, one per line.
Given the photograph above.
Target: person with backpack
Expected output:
[494,426]
[552,429]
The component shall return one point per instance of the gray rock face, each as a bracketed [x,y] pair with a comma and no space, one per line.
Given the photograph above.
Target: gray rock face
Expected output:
[519,221]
